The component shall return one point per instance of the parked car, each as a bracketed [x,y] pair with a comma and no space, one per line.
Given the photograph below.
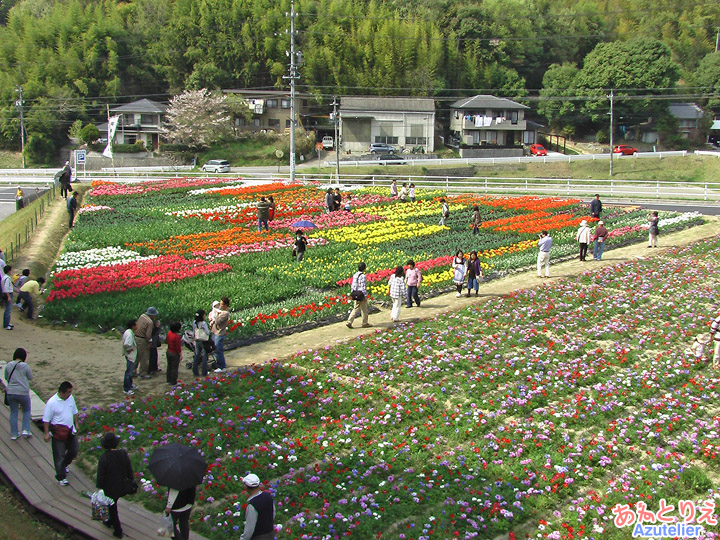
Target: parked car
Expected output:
[625,150]
[538,150]
[381,148]
[391,159]
[328,142]
[217,166]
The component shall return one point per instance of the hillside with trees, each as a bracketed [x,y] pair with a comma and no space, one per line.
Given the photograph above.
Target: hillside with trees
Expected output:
[72,57]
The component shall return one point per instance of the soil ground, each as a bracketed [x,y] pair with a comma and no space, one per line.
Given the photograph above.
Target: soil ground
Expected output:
[93,362]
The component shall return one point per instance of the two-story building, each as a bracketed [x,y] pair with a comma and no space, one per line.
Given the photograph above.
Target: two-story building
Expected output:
[140,120]
[403,122]
[270,110]
[489,126]
[689,124]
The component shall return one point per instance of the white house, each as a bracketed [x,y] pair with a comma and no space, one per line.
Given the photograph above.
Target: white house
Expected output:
[403,122]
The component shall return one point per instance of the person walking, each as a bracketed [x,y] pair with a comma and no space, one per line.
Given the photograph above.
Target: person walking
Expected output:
[715,333]
[397,292]
[601,234]
[65,179]
[595,206]
[337,200]
[263,213]
[19,199]
[218,328]
[583,237]
[18,376]
[6,292]
[130,353]
[413,278]
[459,272]
[393,189]
[259,513]
[474,273]
[300,245]
[476,220]
[179,505]
[444,212]
[114,476]
[543,260]
[143,336]
[358,292]
[402,197]
[59,425]
[173,353]
[155,343]
[653,229]
[201,335]
[72,208]
[411,192]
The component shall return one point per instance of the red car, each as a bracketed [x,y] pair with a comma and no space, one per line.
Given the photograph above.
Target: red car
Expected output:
[625,150]
[538,150]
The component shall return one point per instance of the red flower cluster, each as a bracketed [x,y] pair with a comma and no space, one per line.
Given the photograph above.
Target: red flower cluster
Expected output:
[132,275]
[296,312]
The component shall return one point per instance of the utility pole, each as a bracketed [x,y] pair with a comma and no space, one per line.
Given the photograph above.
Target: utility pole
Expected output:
[612,99]
[293,76]
[19,104]
[337,142]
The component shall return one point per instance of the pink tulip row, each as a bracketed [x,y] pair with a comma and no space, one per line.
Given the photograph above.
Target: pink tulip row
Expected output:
[232,251]
[132,275]
[153,185]
[326,221]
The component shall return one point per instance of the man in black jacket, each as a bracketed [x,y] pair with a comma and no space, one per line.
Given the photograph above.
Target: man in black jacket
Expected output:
[260,511]
[596,207]
[114,473]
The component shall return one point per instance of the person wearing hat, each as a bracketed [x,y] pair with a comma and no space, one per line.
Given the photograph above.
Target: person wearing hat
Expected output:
[259,513]
[114,476]
[144,327]
[583,236]
[600,236]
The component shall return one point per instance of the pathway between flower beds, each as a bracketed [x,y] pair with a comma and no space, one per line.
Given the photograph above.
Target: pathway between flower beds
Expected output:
[327,336]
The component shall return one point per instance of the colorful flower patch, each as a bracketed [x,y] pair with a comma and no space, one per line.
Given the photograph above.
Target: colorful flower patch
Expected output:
[201,242]
[121,277]
[113,189]
[91,258]
[380,232]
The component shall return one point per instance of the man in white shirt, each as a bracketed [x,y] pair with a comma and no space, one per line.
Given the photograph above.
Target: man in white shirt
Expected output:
[59,425]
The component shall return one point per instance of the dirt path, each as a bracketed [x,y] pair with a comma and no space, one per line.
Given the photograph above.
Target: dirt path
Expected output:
[95,366]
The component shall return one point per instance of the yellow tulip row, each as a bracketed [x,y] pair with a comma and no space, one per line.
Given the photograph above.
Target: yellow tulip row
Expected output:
[411,209]
[379,232]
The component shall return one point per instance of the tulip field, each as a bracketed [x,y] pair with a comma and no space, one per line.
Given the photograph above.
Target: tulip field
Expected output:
[543,414]
[179,244]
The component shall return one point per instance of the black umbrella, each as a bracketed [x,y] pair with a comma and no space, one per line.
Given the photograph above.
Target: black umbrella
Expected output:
[177,466]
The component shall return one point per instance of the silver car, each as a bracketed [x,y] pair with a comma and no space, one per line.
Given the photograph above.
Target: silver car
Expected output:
[217,166]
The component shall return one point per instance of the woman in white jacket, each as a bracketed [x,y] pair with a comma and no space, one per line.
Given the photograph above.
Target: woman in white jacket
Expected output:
[398,292]
[583,236]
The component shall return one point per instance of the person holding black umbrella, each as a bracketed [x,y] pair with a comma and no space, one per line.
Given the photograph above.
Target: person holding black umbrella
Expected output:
[181,469]
[259,513]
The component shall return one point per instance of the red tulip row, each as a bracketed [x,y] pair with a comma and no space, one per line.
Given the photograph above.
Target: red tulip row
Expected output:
[132,275]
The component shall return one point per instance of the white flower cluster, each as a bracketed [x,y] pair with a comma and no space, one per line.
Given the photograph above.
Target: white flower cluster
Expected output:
[202,191]
[92,258]
[93,208]
[687,216]
[213,210]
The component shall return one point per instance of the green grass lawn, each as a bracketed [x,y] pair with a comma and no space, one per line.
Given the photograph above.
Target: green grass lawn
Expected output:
[10,159]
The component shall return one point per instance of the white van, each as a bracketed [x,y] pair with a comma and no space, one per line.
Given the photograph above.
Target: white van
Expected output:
[328,142]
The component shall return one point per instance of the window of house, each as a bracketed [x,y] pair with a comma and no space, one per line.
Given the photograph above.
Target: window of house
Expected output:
[285,103]
[271,103]
[457,114]
[274,122]
[130,139]
[256,122]
[491,136]
[386,134]
[287,123]
[514,117]
[128,119]
[416,135]
[148,119]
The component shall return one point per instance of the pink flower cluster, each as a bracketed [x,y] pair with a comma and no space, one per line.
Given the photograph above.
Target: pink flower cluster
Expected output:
[232,251]
[326,221]
[153,185]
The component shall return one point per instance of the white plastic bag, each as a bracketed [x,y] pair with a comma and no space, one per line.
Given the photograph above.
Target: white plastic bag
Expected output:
[166,525]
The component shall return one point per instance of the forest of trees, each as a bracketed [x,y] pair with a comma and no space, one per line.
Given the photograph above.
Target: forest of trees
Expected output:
[74,56]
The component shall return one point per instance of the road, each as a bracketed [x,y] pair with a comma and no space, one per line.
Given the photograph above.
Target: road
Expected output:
[7,196]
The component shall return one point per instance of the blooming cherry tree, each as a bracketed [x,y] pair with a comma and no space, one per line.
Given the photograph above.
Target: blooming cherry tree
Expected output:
[197,118]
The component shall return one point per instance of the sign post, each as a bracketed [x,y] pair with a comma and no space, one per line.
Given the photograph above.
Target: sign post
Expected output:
[80,160]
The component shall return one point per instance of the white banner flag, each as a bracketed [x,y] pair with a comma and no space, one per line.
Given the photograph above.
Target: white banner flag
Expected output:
[112,127]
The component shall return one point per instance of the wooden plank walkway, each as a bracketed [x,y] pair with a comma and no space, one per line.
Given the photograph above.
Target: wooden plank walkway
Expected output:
[27,463]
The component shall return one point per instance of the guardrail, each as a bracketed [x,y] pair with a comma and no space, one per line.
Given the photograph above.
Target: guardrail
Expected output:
[409,160]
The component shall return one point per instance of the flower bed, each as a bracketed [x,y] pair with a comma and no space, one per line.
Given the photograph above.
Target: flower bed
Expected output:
[529,416]
[216,220]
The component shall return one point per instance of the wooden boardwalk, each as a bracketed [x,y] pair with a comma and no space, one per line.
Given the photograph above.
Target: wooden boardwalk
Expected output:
[27,463]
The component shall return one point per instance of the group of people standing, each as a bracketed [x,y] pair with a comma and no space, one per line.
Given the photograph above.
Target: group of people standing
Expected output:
[143,337]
